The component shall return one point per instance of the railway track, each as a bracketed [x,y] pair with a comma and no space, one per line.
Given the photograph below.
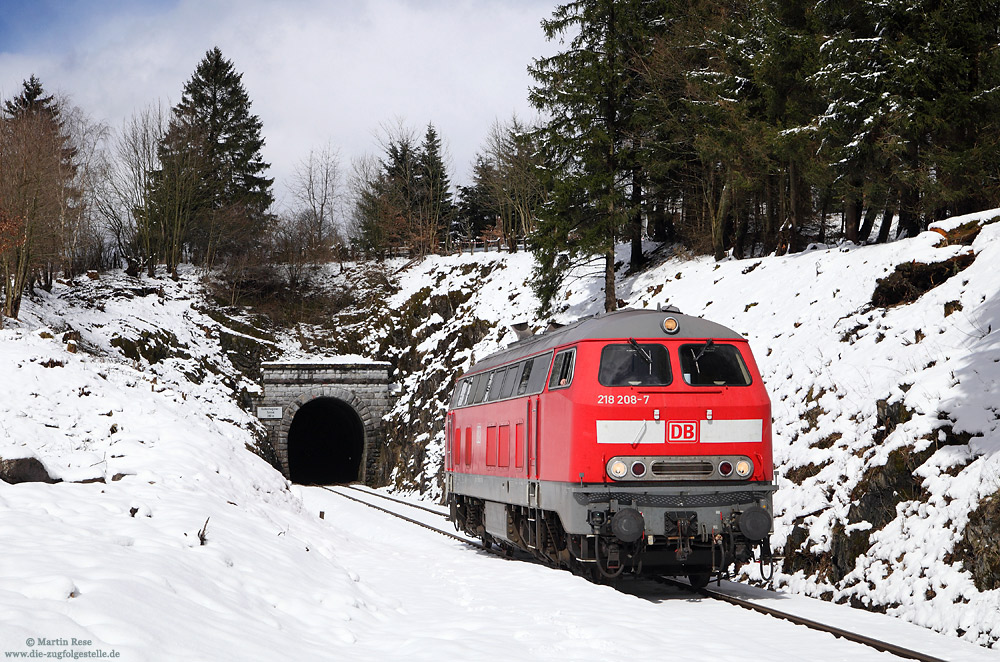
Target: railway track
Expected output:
[411,520]
[847,635]
[877,644]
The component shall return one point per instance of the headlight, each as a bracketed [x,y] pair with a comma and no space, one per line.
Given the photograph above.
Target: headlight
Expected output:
[744,468]
[618,469]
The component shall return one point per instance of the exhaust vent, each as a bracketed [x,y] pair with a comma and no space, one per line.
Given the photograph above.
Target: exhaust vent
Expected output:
[522,330]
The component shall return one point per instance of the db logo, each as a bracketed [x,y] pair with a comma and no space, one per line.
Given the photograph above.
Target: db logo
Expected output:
[682,431]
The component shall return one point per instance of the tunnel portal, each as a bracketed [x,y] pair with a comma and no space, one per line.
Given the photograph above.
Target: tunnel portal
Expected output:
[324,418]
[326,442]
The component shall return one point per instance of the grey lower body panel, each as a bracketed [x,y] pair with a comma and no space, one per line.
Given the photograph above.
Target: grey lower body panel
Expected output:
[711,504]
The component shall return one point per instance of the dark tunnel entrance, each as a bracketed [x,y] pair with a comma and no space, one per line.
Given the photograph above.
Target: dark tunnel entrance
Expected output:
[325,443]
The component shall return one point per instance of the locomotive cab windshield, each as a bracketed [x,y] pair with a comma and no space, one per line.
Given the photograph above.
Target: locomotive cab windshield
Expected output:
[634,364]
[712,364]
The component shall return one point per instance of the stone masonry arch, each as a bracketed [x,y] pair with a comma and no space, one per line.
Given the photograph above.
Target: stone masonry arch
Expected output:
[324,418]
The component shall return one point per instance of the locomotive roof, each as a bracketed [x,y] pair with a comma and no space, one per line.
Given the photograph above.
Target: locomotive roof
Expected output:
[626,323]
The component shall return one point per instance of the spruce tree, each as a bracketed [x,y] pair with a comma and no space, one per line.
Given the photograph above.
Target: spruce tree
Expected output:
[475,211]
[397,188]
[590,93]
[435,208]
[213,135]
[31,100]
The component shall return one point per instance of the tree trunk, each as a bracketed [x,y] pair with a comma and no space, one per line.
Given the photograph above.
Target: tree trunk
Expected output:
[770,240]
[719,214]
[909,198]
[636,260]
[740,231]
[852,219]
[657,219]
[890,211]
[908,219]
[795,209]
[610,294]
[869,223]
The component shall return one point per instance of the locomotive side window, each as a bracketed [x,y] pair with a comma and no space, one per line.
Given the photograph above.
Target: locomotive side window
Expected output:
[519,445]
[503,452]
[479,386]
[462,393]
[533,376]
[510,379]
[539,373]
[491,446]
[709,364]
[562,370]
[496,380]
[634,364]
[522,386]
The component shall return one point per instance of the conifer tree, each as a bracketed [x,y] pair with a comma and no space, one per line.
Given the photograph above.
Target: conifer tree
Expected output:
[475,211]
[435,208]
[214,140]
[589,92]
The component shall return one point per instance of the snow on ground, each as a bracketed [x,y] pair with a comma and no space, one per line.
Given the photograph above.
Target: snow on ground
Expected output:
[168,539]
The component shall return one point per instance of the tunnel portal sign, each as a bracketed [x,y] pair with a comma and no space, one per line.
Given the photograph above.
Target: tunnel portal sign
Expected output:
[268,412]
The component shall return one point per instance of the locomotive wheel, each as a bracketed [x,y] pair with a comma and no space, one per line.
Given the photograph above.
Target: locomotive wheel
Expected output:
[699,579]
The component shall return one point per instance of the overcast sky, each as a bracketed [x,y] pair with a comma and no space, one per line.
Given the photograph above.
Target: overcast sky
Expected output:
[316,71]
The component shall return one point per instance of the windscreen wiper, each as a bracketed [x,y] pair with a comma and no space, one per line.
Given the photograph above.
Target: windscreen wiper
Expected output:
[704,349]
[642,352]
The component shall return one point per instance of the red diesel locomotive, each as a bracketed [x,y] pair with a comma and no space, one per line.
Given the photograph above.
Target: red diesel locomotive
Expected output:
[637,441]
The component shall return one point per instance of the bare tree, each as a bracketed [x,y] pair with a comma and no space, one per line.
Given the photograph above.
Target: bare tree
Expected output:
[515,187]
[79,234]
[125,196]
[177,186]
[316,187]
[11,238]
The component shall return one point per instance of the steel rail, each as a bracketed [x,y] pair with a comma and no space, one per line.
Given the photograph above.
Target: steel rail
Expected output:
[865,640]
[395,500]
[473,543]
